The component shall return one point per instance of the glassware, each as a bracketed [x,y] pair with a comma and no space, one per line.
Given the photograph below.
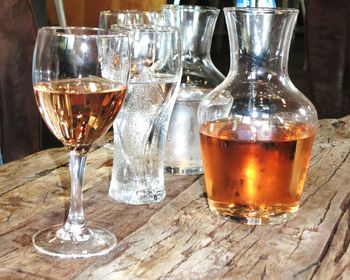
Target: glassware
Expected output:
[140,129]
[256,128]
[79,80]
[111,19]
[199,77]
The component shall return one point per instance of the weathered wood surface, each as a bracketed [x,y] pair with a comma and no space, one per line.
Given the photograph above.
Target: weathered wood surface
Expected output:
[179,238]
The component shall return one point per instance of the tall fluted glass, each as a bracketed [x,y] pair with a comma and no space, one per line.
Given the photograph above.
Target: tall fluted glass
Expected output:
[140,129]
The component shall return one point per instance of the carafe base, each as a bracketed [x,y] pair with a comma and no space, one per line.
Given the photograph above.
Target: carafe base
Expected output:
[254,216]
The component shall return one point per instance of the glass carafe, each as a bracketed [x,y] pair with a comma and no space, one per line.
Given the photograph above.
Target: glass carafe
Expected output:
[182,153]
[256,128]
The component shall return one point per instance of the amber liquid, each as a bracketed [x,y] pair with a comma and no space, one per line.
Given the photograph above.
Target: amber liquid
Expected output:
[255,175]
[78,111]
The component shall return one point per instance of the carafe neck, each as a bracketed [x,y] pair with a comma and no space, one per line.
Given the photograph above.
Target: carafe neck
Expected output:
[197,25]
[259,41]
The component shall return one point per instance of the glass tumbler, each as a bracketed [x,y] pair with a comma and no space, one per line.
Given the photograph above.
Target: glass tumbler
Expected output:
[140,128]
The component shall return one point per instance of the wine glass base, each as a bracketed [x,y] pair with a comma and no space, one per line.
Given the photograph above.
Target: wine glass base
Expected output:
[100,243]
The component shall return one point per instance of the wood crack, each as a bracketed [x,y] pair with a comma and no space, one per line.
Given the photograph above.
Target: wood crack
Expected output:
[327,245]
[295,275]
[34,177]
[251,230]
[14,229]
[318,158]
[262,257]
[326,210]
[34,275]
[177,265]
[346,242]
[341,274]
[11,189]
[298,243]
[263,275]
[229,264]
[211,234]
[9,252]
[324,183]
[47,171]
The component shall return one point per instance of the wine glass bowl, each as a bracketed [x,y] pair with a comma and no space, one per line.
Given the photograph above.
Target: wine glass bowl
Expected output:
[79,80]
[77,120]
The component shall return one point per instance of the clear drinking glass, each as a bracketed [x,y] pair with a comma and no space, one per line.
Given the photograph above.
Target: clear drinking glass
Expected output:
[256,128]
[111,19]
[140,128]
[80,80]
[199,77]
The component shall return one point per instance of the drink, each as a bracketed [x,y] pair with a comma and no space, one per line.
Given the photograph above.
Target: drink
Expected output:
[183,155]
[139,135]
[254,173]
[78,111]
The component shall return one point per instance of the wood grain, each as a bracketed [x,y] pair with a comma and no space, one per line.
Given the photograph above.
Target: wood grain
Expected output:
[179,238]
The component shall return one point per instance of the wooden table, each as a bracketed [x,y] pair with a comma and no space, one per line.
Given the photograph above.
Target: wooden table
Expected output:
[179,238]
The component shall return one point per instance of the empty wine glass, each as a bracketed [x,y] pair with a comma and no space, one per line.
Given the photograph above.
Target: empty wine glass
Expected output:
[79,79]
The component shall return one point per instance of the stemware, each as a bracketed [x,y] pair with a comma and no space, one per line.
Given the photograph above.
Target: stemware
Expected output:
[79,79]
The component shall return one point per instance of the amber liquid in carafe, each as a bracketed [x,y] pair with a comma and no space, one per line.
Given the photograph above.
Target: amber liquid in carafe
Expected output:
[255,174]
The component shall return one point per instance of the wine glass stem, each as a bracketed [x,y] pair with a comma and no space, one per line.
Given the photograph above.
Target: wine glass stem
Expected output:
[74,228]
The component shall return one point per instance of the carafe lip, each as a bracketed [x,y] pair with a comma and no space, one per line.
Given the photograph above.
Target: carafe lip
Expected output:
[262,10]
[192,8]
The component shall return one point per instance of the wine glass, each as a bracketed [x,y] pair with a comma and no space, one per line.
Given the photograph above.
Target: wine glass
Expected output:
[110,19]
[79,78]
